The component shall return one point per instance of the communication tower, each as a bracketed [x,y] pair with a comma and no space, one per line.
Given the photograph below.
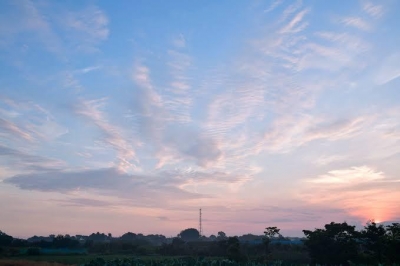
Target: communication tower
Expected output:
[200,226]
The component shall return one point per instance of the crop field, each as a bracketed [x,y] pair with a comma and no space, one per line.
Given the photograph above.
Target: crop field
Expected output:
[8,262]
[118,260]
[189,261]
[57,260]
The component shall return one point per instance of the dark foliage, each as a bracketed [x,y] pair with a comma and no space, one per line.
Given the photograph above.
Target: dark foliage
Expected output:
[5,240]
[190,234]
[336,244]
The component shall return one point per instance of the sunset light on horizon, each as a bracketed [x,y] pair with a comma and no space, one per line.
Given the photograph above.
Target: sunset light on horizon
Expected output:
[130,116]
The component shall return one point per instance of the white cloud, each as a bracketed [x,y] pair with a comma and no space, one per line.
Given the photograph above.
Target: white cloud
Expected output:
[296,24]
[273,6]
[329,159]
[92,21]
[290,132]
[11,130]
[373,10]
[27,16]
[351,176]
[88,69]
[87,27]
[357,23]
[112,135]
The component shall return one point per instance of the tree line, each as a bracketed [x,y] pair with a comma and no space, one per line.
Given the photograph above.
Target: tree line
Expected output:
[335,244]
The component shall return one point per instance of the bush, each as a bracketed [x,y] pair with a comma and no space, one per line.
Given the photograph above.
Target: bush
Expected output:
[33,251]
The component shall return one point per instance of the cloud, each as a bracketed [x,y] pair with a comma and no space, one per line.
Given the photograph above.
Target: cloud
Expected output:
[179,102]
[328,159]
[373,10]
[189,144]
[389,69]
[13,130]
[30,122]
[357,23]
[353,176]
[157,117]
[290,132]
[89,26]
[27,16]
[295,24]
[273,6]
[339,129]
[88,69]
[24,162]
[155,189]
[106,180]
[85,202]
[112,135]
[361,191]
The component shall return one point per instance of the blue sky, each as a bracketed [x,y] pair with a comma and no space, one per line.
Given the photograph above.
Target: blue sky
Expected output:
[131,116]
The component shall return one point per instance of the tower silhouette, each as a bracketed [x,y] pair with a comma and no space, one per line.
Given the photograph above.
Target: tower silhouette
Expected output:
[200,225]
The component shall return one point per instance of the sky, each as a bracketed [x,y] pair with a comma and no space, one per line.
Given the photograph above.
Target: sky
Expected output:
[132,115]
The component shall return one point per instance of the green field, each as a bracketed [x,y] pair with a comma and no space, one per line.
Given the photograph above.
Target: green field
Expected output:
[81,259]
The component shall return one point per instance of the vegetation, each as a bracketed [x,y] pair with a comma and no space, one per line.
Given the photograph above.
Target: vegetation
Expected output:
[28,263]
[335,244]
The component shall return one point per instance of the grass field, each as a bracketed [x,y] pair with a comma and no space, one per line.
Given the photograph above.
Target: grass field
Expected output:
[54,259]
[8,262]
[57,260]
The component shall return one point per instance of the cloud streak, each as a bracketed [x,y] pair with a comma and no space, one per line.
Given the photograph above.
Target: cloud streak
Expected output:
[360,190]
[91,110]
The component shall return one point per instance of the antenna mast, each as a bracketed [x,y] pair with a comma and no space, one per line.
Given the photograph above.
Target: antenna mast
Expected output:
[200,228]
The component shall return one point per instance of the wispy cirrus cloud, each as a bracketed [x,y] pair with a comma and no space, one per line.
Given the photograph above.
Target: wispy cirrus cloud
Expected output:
[26,16]
[273,6]
[373,9]
[29,122]
[389,69]
[296,24]
[357,23]
[112,135]
[290,132]
[211,117]
[13,130]
[89,26]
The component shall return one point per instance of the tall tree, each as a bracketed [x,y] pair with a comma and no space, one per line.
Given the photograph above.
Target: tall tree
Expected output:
[393,238]
[374,241]
[334,245]
[189,234]
[269,233]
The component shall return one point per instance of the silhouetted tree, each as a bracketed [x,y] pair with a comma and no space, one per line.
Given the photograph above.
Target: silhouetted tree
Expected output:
[374,241]
[98,237]
[61,241]
[334,245]
[233,251]
[189,234]
[393,239]
[221,235]
[5,240]
[128,236]
[269,233]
